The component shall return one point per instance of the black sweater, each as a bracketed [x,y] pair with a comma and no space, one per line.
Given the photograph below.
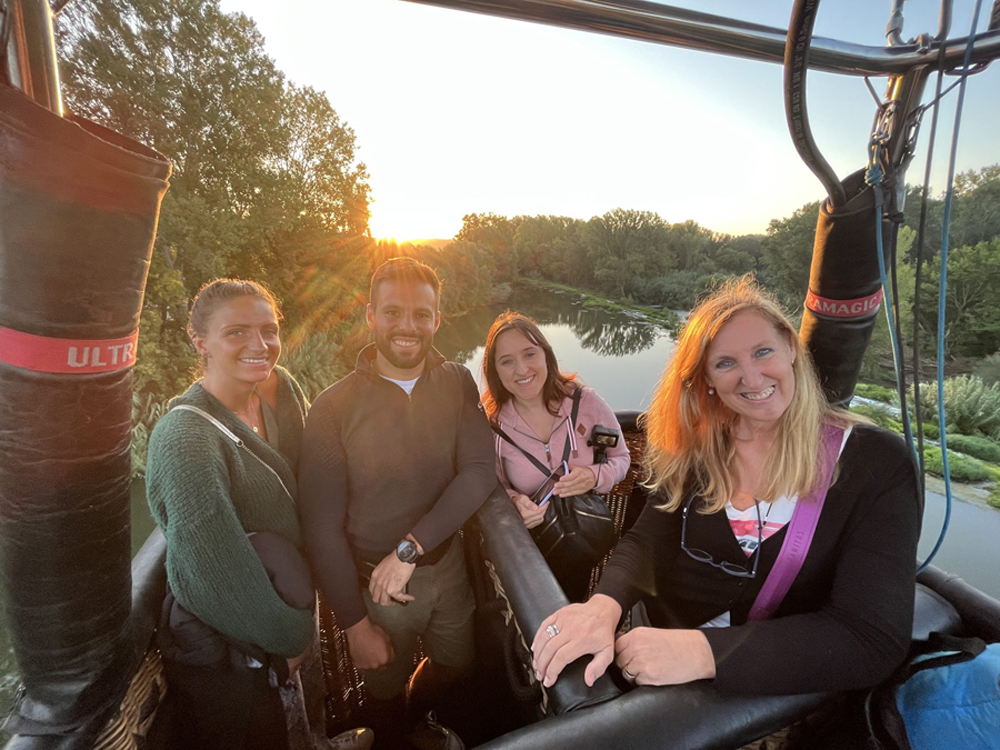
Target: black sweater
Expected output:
[846,621]
[377,465]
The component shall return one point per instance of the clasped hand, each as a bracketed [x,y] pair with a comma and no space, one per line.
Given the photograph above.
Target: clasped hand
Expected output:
[652,656]
[369,645]
[389,579]
[579,480]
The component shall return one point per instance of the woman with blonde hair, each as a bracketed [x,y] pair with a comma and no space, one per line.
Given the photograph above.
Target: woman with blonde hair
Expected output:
[776,554]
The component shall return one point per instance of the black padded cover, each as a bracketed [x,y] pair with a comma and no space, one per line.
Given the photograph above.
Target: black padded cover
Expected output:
[844,267]
[78,211]
[534,594]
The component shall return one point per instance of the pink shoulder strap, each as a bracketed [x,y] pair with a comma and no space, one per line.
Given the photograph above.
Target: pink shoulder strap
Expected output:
[800,531]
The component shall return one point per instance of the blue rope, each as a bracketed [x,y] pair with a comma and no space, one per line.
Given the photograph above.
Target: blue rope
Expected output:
[873,176]
[942,292]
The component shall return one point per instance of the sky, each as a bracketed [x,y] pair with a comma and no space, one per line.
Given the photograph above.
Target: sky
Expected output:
[457,113]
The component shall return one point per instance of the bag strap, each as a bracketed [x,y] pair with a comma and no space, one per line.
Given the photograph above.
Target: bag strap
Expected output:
[800,531]
[236,439]
[947,650]
[535,462]
[886,727]
[570,437]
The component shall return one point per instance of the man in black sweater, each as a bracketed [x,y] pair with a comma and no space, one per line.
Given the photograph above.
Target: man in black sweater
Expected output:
[396,457]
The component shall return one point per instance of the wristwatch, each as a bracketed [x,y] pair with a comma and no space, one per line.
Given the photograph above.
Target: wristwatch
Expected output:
[407,552]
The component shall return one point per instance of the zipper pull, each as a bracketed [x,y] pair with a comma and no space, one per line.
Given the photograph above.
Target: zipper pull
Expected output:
[548,454]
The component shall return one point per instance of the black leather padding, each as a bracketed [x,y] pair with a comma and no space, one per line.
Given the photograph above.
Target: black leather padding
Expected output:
[932,613]
[980,613]
[149,583]
[844,267]
[534,594]
[696,716]
[78,212]
[681,717]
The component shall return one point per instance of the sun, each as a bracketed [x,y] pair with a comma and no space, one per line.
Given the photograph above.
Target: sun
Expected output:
[410,225]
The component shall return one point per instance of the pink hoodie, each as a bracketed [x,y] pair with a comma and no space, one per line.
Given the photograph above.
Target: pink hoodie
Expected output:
[519,476]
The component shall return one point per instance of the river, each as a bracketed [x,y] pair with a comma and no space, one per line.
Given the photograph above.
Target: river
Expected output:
[621,356]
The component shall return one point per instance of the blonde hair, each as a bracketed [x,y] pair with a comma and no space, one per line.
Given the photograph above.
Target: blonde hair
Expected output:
[689,433]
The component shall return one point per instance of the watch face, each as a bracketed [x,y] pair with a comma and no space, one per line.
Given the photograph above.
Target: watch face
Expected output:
[406,551]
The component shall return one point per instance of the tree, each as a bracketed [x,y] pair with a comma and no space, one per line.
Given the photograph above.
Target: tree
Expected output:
[692,246]
[550,247]
[495,234]
[625,245]
[787,251]
[972,317]
[976,211]
[265,172]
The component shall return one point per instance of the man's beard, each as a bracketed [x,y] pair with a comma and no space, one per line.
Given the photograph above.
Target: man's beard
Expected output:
[404,360]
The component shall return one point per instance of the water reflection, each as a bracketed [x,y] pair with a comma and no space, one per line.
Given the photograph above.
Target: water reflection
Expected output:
[609,333]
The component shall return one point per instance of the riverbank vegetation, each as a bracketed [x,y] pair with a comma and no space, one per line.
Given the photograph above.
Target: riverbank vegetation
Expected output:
[268,184]
[972,411]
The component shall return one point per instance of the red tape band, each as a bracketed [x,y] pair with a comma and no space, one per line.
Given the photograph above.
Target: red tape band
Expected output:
[844,308]
[66,356]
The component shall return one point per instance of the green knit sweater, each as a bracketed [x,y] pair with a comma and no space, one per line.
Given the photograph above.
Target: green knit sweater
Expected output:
[207,494]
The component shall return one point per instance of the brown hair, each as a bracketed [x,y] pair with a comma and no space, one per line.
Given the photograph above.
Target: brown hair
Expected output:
[558,385]
[404,270]
[689,433]
[215,293]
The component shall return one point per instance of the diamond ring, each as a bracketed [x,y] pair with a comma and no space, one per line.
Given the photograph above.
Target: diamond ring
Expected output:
[552,630]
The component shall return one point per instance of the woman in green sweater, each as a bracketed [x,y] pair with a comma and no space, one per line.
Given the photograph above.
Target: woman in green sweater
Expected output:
[221,478]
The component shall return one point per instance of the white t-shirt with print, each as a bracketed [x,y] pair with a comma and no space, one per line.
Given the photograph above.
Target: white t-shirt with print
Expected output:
[774,516]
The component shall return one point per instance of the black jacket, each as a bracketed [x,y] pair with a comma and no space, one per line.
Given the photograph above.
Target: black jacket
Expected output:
[377,465]
[846,621]
[185,639]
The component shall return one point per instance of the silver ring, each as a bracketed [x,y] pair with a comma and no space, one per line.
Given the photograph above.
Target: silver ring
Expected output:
[628,675]
[552,630]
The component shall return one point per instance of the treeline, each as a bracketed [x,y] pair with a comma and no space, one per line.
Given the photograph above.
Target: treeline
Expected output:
[627,255]
[268,185]
[636,256]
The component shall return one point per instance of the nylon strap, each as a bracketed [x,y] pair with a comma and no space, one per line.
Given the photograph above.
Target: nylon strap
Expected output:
[570,441]
[800,531]
[66,356]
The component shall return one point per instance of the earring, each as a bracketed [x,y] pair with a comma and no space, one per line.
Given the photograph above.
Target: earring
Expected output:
[711,391]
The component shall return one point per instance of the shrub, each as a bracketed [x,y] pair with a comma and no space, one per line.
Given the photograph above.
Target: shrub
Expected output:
[971,407]
[146,411]
[931,431]
[316,363]
[877,393]
[963,468]
[978,447]
[989,369]
[994,498]
[878,414]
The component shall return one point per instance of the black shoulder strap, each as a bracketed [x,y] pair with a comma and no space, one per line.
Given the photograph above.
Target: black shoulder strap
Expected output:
[885,723]
[572,426]
[956,650]
[537,464]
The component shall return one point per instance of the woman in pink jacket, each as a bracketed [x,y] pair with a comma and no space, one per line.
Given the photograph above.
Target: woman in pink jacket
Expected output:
[531,401]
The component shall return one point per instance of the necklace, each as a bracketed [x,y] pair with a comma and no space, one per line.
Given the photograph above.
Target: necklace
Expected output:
[251,414]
